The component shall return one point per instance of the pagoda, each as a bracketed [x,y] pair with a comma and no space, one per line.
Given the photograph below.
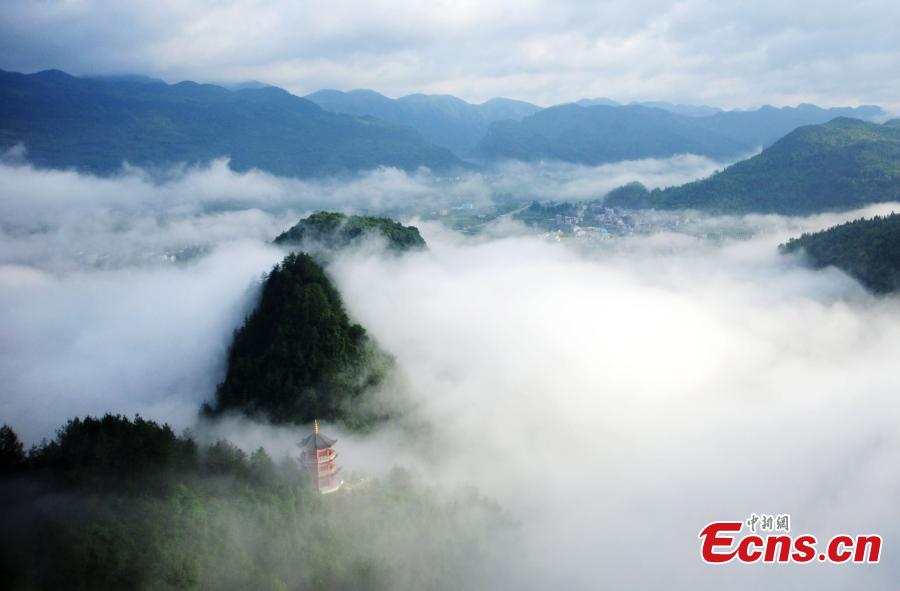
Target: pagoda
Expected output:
[318,457]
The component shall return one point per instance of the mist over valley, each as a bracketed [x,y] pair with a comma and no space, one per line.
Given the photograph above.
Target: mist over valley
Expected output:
[456,296]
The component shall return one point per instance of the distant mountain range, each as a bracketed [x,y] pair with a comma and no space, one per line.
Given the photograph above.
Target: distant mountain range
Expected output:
[600,133]
[677,108]
[95,124]
[442,119]
[589,131]
[837,165]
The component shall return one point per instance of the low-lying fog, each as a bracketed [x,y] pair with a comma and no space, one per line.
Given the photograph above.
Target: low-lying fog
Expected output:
[612,399]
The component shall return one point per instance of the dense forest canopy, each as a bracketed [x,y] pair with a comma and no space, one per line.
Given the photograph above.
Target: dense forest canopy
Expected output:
[118,503]
[868,250]
[298,356]
[333,230]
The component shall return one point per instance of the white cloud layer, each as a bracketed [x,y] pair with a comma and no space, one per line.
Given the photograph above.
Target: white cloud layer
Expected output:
[64,219]
[614,400]
[120,293]
[619,400]
[702,51]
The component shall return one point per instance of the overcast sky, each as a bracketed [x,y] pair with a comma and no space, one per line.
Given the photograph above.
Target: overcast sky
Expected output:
[732,54]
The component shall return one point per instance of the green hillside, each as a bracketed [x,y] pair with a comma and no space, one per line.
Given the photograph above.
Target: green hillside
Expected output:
[841,164]
[868,250]
[298,356]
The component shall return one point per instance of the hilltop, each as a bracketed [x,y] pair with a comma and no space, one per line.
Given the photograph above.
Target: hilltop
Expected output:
[332,230]
[298,356]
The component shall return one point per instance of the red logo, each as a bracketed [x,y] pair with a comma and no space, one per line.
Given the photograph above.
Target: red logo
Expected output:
[721,543]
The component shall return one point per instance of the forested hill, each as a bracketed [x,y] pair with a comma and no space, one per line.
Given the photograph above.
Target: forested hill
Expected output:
[298,356]
[332,230]
[127,504]
[868,250]
[841,164]
[96,124]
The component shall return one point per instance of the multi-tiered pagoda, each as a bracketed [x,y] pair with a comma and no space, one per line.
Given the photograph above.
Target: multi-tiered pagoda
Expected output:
[318,457]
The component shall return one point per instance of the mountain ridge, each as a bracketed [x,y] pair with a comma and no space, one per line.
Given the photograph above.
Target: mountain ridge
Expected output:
[444,120]
[602,133]
[96,124]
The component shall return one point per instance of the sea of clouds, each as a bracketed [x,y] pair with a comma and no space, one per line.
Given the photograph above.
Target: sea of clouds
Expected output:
[612,399]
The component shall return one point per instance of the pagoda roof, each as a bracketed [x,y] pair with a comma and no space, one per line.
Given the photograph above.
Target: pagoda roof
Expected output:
[317,441]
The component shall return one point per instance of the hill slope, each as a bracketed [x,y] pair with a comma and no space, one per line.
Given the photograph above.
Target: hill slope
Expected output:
[95,124]
[116,503]
[298,357]
[594,133]
[868,250]
[840,164]
[443,120]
